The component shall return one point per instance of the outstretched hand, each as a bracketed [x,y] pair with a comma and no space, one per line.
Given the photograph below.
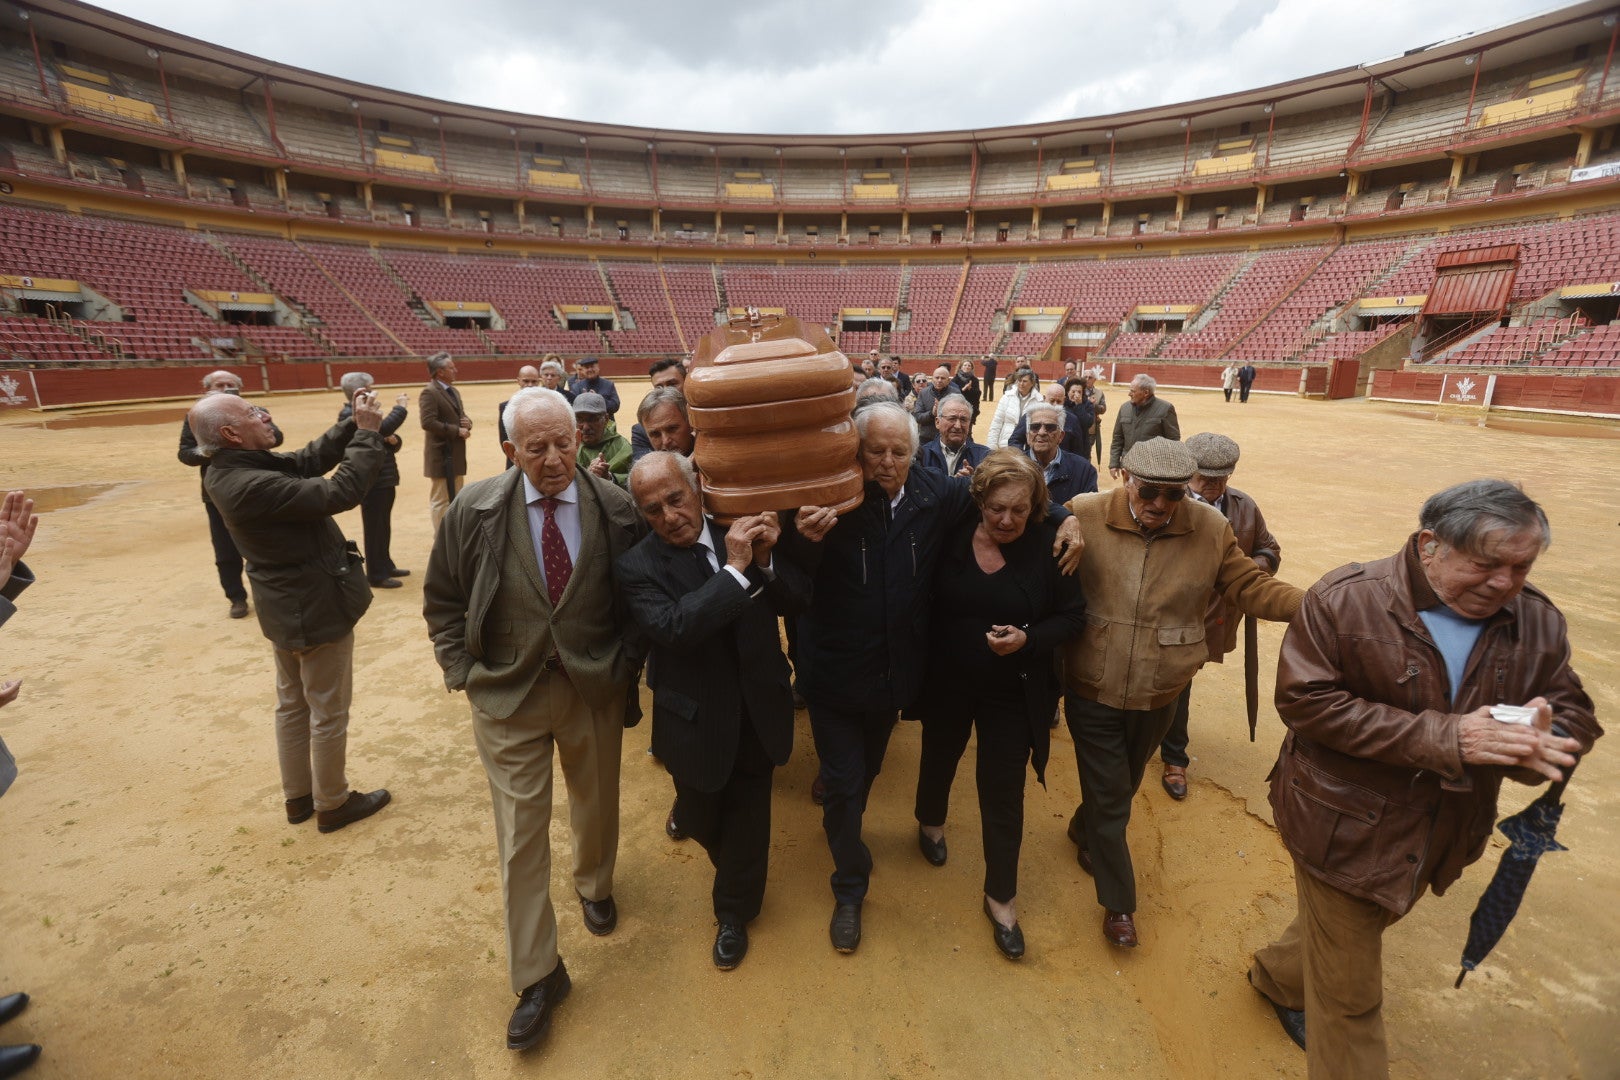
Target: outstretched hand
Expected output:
[17,524]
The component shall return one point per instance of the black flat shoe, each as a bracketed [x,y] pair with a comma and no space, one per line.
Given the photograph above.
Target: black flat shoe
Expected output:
[386,583]
[932,850]
[845,929]
[1292,1020]
[300,810]
[14,1059]
[12,1006]
[1009,939]
[357,807]
[532,1017]
[601,916]
[730,945]
[397,572]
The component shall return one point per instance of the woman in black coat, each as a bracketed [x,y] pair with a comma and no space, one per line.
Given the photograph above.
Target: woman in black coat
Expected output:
[967,382]
[1002,608]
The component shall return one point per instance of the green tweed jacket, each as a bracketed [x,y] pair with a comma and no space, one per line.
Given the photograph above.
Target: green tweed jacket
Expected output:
[487,611]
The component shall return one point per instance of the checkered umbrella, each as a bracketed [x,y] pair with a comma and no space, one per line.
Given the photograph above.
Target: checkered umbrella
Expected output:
[1531,834]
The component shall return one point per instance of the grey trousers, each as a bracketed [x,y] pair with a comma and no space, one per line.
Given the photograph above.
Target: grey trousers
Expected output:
[313,690]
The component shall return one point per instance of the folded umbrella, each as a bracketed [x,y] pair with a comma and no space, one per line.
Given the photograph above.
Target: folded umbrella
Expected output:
[1251,671]
[1531,834]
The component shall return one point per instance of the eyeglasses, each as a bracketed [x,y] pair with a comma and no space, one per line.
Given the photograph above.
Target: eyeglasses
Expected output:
[1150,492]
[1043,427]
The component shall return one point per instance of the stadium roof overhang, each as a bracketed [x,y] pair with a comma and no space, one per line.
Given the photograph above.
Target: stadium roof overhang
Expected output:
[135,42]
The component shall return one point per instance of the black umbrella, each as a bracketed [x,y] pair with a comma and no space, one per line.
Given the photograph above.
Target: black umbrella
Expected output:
[1530,835]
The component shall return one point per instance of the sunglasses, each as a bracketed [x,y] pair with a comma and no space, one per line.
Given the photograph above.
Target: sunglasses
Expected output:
[1150,492]
[1043,427]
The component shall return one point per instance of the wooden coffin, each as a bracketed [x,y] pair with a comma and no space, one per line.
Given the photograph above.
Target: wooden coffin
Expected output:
[770,398]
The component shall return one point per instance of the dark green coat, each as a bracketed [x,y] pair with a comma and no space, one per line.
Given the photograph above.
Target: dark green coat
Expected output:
[309,587]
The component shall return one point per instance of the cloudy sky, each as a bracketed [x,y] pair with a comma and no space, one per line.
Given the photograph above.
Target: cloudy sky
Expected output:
[827,66]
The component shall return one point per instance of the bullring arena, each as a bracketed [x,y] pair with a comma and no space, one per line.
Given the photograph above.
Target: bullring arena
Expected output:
[1424,279]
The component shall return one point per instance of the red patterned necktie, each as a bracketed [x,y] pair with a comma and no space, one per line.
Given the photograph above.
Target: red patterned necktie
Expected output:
[559,567]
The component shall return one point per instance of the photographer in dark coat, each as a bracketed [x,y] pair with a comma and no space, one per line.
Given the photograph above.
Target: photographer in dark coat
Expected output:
[377,508]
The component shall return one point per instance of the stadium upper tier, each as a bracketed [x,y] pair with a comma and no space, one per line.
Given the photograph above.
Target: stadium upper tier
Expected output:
[79,287]
[89,98]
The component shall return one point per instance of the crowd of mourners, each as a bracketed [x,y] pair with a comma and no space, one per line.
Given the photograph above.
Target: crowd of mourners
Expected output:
[989,590]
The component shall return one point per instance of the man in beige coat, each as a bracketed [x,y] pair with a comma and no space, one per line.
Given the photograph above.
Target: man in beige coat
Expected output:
[1152,556]
[520,605]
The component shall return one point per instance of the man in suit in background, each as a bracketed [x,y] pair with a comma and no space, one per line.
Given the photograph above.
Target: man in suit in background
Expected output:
[954,453]
[528,375]
[377,508]
[519,602]
[227,560]
[707,599]
[1245,375]
[447,426]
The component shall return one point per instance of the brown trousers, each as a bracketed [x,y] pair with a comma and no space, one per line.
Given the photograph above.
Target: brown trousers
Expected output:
[1329,962]
[313,690]
[517,756]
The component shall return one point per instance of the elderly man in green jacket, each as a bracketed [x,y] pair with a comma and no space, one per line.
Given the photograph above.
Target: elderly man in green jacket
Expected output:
[1152,557]
[309,587]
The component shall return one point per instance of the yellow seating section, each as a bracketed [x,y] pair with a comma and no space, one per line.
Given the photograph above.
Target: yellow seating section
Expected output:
[398,159]
[83,97]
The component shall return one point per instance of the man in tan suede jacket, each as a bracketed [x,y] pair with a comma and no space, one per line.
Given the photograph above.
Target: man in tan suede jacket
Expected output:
[1152,556]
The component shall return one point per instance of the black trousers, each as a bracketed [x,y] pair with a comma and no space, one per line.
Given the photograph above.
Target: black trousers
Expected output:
[1173,747]
[227,560]
[1111,748]
[377,527]
[989,388]
[1243,392]
[734,827]
[1227,390]
[851,745]
[1003,757]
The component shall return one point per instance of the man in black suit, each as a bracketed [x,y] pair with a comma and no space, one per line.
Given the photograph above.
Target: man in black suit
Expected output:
[707,599]
[954,453]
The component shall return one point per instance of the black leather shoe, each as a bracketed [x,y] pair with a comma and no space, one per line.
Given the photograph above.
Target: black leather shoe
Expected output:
[386,583]
[671,828]
[1077,836]
[1292,1020]
[356,808]
[932,850]
[730,944]
[397,572]
[845,930]
[532,1017]
[239,609]
[14,1059]
[12,1005]
[300,810]
[1010,940]
[601,916]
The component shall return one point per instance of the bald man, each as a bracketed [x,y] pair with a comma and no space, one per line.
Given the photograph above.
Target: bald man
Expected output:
[528,375]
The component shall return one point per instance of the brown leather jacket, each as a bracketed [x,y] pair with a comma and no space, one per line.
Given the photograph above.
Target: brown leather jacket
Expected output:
[1370,791]
[1222,619]
[1146,597]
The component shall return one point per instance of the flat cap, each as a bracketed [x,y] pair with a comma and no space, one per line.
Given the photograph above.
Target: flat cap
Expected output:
[1216,454]
[589,404]
[1160,460]
[586,360]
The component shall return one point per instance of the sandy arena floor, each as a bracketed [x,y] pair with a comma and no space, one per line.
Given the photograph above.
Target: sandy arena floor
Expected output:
[169,923]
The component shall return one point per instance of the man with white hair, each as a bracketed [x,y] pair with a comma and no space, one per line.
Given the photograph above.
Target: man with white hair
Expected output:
[227,560]
[307,580]
[520,605]
[1145,416]
[1067,474]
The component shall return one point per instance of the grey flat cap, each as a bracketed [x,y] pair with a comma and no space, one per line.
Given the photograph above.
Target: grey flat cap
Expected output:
[1216,454]
[589,404]
[1160,460]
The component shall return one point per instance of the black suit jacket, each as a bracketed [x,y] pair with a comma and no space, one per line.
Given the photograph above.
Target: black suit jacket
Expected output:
[716,654]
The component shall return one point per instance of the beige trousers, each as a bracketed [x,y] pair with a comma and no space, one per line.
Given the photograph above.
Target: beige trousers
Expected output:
[313,690]
[1329,962]
[517,755]
[439,497]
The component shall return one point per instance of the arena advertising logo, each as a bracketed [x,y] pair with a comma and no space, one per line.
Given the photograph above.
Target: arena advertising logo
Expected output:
[1465,391]
[8,391]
